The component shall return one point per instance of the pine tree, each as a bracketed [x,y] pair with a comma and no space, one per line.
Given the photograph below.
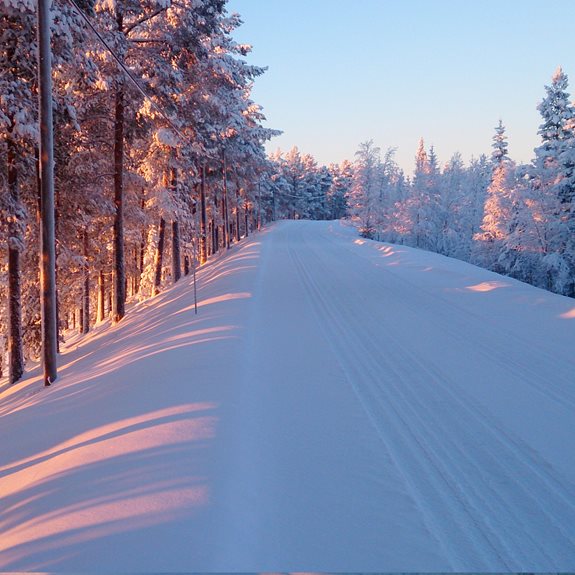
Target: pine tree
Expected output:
[19,126]
[341,183]
[500,203]
[500,146]
[551,190]
[423,196]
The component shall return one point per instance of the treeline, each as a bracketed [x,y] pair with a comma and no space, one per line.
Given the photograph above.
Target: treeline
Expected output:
[517,220]
[159,157]
[160,163]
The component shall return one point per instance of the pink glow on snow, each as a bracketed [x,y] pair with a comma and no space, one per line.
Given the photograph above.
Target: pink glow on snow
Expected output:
[568,315]
[218,299]
[126,437]
[123,501]
[387,251]
[487,286]
[177,341]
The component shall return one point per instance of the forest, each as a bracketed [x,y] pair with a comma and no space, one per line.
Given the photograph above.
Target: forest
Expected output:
[160,163]
[514,219]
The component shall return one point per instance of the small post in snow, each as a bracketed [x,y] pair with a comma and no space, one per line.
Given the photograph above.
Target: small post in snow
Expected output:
[194,265]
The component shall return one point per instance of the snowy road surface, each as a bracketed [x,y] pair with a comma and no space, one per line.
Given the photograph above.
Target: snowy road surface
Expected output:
[337,405]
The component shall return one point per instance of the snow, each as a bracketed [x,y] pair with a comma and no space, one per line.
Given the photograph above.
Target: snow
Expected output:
[336,405]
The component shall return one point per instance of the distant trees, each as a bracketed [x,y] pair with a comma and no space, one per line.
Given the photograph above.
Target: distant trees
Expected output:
[340,189]
[516,220]
[301,189]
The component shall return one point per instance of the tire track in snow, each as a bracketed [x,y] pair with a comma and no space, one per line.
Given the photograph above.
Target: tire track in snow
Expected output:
[562,504]
[489,352]
[429,487]
[427,445]
[556,390]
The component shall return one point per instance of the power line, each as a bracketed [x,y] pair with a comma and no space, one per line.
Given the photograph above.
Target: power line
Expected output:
[126,71]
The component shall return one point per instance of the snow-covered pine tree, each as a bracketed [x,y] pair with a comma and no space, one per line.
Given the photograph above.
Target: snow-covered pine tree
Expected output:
[450,208]
[500,203]
[420,200]
[18,120]
[341,183]
[478,178]
[19,126]
[551,191]
[390,192]
[499,145]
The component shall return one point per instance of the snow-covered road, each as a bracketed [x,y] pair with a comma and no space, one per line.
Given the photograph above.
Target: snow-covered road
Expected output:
[337,405]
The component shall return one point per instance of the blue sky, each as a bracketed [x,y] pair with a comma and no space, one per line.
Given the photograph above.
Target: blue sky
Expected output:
[342,72]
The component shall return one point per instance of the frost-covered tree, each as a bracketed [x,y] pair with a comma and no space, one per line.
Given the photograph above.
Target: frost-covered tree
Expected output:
[450,207]
[363,199]
[500,203]
[19,127]
[18,121]
[299,188]
[116,179]
[340,188]
[423,195]
[499,145]
[550,194]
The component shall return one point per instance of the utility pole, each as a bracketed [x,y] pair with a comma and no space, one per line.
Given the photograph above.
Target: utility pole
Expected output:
[119,269]
[47,216]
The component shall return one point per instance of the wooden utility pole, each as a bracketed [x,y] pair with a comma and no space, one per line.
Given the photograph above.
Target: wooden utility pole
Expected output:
[119,267]
[47,216]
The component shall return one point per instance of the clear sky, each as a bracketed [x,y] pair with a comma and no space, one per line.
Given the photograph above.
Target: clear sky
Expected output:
[342,72]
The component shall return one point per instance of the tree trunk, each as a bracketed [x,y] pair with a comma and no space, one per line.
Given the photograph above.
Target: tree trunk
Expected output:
[225,223]
[86,288]
[119,271]
[259,223]
[203,231]
[101,297]
[15,346]
[226,237]
[176,263]
[141,250]
[176,251]
[215,238]
[238,235]
[159,256]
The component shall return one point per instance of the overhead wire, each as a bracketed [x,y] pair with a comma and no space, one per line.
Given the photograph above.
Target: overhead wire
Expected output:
[127,72]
